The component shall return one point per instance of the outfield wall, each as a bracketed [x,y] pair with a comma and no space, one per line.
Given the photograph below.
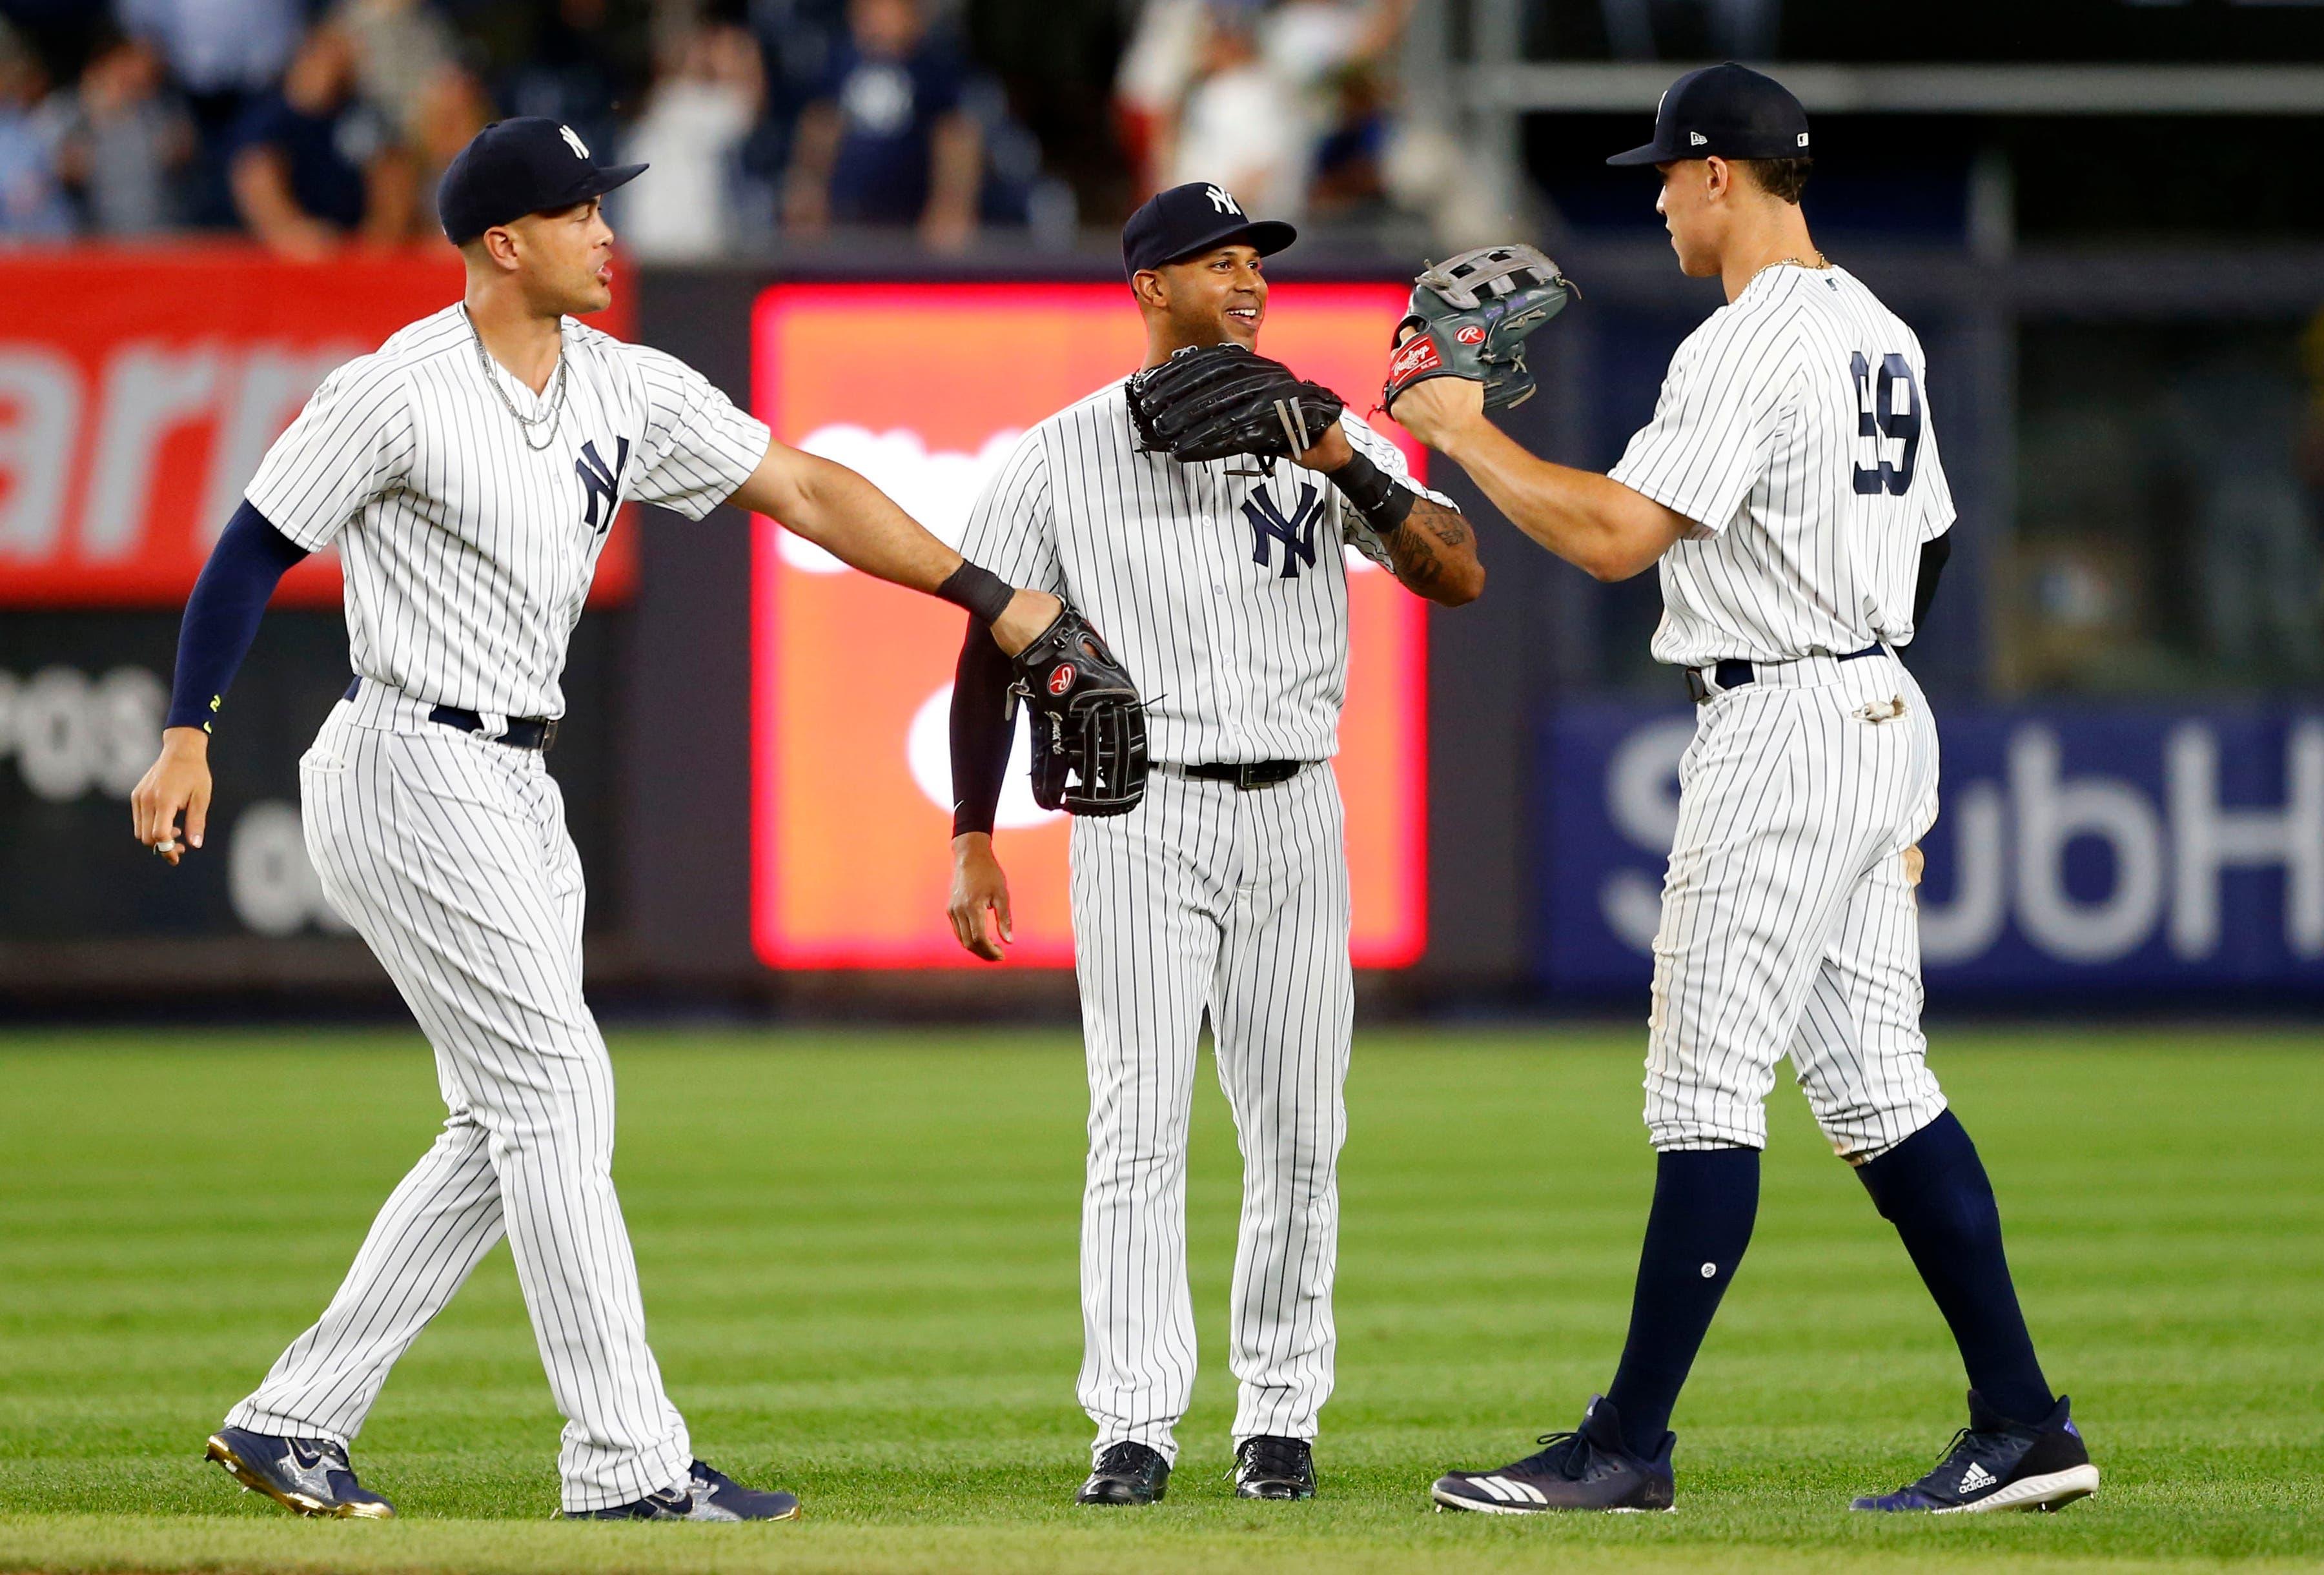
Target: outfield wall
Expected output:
[758,821]
[2081,851]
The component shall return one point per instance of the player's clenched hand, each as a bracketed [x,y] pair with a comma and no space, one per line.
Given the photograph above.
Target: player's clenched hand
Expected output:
[178,782]
[1330,453]
[979,908]
[1437,409]
[1028,617]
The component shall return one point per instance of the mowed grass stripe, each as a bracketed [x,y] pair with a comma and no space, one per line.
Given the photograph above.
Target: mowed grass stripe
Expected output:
[858,1252]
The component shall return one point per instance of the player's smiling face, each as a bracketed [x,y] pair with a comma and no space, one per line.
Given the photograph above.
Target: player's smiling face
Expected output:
[1691,213]
[568,258]
[1219,297]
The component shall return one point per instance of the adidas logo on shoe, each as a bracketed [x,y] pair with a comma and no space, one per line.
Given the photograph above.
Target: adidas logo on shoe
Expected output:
[1976,1477]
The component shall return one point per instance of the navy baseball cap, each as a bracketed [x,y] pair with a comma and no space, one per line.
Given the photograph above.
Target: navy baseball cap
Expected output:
[530,164]
[1188,220]
[1729,110]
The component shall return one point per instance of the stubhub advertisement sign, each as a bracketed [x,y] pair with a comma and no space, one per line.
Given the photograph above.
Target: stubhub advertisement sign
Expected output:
[2132,849]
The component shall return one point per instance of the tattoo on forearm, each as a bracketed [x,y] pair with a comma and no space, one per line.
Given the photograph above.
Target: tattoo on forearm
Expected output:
[1445,524]
[1412,548]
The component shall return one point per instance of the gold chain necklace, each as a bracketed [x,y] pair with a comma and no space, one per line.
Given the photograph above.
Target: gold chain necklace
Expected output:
[1821,262]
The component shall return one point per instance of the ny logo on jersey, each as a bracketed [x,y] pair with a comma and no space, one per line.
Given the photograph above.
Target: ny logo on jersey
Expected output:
[600,485]
[1296,533]
[1222,200]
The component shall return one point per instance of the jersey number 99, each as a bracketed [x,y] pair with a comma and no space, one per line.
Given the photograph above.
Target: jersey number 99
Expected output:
[1879,423]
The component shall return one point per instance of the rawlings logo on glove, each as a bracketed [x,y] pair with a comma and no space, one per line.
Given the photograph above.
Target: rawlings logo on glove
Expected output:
[1469,316]
[1089,725]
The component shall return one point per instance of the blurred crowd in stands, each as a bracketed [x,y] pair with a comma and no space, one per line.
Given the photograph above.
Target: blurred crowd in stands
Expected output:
[312,124]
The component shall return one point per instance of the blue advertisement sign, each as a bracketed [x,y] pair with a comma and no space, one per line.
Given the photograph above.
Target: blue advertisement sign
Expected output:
[2131,849]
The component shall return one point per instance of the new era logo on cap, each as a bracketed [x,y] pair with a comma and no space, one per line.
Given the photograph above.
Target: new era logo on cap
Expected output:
[1723,112]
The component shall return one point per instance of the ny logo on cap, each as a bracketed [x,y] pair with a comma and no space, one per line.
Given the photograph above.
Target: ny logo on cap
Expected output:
[1221,200]
[573,141]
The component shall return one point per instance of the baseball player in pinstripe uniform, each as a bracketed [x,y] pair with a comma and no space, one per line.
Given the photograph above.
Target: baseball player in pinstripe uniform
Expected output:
[469,471]
[1223,588]
[1789,489]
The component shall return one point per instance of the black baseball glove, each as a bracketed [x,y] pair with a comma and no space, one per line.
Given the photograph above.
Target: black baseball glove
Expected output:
[1089,725]
[1211,402]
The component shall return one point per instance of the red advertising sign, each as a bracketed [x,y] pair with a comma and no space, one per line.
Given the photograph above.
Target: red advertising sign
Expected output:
[139,391]
[924,388]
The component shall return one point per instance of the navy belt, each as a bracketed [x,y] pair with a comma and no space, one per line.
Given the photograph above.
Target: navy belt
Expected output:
[524,732]
[1248,774]
[1735,672]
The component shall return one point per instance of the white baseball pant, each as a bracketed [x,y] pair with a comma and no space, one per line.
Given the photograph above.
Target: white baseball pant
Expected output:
[1205,897]
[449,854]
[1788,921]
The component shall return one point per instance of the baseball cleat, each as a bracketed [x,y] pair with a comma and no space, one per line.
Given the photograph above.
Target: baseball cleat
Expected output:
[1127,1473]
[309,1475]
[705,1495]
[1587,1469]
[1267,1466]
[1996,1463]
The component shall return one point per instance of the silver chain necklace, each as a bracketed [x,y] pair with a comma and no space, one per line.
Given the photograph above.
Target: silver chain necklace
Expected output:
[526,425]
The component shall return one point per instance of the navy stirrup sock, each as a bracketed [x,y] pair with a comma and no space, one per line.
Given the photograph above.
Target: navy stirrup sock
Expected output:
[1932,1188]
[1705,1200]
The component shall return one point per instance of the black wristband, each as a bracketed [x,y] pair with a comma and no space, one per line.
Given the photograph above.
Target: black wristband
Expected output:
[977,590]
[1372,492]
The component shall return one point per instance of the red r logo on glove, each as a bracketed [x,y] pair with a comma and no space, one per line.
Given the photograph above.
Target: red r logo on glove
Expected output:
[1471,334]
[1061,677]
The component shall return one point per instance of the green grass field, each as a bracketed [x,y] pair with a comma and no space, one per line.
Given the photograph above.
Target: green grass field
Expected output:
[859,1262]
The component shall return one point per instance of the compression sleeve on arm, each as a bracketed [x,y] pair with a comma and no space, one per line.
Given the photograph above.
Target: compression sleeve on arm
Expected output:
[1933,553]
[982,729]
[222,615]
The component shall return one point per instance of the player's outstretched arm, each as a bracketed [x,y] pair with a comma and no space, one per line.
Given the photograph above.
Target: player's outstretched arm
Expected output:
[1430,547]
[857,523]
[1592,522]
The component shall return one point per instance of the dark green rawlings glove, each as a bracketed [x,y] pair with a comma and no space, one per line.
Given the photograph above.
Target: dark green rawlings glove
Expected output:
[1469,316]
[1214,401]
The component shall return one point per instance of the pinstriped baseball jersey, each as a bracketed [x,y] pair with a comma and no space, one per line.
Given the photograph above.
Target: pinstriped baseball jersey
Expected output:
[1225,593]
[1793,430]
[467,553]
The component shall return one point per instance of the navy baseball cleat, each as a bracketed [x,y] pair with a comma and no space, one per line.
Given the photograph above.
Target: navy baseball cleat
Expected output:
[1127,1473]
[1996,1463]
[308,1475]
[705,1495]
[1267,1467]
[1587,1469]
